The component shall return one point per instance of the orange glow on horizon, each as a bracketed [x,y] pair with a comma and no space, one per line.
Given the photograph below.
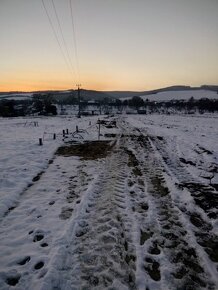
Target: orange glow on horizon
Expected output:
[53,82]
[31,81]
[48,87]
[96,86]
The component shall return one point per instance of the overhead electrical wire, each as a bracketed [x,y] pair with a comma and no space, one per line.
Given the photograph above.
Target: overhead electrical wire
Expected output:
[56,37]
[74,40]
[62,36]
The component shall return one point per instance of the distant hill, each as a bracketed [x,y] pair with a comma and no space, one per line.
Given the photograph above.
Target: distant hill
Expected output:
[180,95]
[95,95]
[210,88]
[169,89]
[129,94]
[122,94]
[59,95]
[100,95]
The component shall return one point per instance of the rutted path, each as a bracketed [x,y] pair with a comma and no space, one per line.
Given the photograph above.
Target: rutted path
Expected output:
[100,251]
[100,245]
[183,256]
[131,234]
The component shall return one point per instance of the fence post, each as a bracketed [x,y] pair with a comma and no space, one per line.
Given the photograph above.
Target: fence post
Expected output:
[67,131]
[40,141]
[99,130]
[77,130]
[63,133]
[54,136]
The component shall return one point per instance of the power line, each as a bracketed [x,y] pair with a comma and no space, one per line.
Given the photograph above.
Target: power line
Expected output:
[74,39]
[56,36]
[62,36]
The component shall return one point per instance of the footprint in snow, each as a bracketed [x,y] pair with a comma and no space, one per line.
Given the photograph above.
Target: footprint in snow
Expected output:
[24,261]
[39,265]
[43,245]
[153,269]
[13,280]
[81,232]
[38,237]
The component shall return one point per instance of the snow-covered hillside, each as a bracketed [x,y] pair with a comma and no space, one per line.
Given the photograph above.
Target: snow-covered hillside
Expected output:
[16,96]
[181,95]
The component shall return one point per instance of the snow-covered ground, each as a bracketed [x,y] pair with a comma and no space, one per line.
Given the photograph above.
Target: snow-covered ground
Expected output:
[136,210]
[21,156]
[193,138]
[182,95]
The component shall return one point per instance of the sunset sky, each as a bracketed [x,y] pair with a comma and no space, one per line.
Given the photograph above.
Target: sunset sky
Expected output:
[121,44]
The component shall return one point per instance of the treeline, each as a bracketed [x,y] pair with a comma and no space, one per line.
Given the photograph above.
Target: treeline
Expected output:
[190,106]
[38,105]
[46,104]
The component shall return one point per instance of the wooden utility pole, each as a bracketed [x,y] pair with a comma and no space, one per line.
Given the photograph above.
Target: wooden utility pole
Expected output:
[99,129]
[78,90]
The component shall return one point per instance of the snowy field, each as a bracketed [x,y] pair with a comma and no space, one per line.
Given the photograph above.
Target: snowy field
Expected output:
[136,209]
[18,96]
[193,138]
[22,158]
[179,95]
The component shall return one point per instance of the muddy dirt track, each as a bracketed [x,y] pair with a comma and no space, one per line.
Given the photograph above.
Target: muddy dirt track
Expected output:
[130,227]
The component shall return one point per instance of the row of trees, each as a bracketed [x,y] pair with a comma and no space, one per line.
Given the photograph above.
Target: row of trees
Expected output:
[40,104]
[47,105]
[202,105]
[192,105]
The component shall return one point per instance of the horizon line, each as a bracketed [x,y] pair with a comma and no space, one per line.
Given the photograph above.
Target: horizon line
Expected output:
[114,90]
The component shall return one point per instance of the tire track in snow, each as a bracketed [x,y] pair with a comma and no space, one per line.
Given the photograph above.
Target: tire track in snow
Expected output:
[99,253]
[200,212]
[100,245]
[205,196]
[188,267]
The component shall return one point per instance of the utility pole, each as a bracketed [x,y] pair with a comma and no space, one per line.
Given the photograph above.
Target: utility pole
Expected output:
[78,91]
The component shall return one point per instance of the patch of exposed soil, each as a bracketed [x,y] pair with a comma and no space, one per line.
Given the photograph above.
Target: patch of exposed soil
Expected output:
[205,197]
[133,162]
[90,150]
[108,123]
